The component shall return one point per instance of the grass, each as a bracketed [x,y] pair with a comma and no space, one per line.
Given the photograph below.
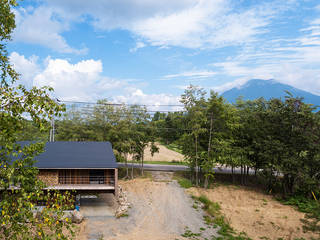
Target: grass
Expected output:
[216,219]
[123,215]
[160,162]
[183,182]
[173,146]
[312,210]
[190,235]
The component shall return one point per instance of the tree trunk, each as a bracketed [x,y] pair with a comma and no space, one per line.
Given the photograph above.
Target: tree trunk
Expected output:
[126,164]
[206,182]
[142,158]
[209,150]
[197,176]
[132,169]
[232,173]
[241,174]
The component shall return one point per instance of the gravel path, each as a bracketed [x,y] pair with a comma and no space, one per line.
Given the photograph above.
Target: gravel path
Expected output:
[160,210]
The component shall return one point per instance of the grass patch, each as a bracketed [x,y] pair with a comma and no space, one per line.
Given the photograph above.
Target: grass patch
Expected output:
[160,162]
[190,235]
[312,210]
[182,179]
[184,183]
[123,215]
[216,219]
[173,146]
[146,174]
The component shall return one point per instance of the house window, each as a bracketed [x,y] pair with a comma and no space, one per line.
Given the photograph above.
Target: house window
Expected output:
[96,176]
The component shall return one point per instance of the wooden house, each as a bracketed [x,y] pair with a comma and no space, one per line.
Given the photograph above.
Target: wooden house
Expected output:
[80,166]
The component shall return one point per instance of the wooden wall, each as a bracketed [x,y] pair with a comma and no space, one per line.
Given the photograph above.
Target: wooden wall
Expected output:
[49,177]
[74,176]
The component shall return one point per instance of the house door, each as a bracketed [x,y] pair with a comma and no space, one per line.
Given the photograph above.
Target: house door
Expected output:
[96,176]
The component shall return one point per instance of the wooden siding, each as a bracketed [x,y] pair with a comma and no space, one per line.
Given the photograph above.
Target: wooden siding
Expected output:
[78,176]
[49,177]
[74,176]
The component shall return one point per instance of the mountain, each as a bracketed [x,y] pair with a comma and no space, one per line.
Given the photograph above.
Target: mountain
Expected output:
[267,89]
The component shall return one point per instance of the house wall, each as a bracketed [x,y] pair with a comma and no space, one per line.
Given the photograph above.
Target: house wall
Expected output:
[49,177]
[77,176]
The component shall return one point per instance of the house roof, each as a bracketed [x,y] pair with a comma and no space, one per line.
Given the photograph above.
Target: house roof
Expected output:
[76,155]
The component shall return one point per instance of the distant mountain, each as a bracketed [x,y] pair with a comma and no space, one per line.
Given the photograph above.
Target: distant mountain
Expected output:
[267,89]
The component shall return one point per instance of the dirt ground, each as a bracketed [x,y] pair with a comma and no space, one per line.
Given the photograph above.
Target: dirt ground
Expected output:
[161,210]
[257,214]
[164,154]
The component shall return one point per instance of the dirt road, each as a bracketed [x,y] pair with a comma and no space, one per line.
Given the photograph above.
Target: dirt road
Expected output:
[160,210]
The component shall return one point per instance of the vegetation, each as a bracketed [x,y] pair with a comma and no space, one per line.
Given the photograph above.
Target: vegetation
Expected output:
[184,183]
[276,138]
[312,210]
[216,218]
[20,189]
[126,127]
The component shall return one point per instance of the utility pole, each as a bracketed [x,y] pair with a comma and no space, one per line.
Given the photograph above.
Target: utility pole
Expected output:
[51,137]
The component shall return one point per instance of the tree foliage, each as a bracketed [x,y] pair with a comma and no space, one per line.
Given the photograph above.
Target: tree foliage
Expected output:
[20,188]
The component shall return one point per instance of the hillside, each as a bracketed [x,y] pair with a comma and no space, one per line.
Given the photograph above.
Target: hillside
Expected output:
[267,89]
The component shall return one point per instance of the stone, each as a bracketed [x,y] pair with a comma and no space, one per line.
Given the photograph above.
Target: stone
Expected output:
[76,217]
[123,204]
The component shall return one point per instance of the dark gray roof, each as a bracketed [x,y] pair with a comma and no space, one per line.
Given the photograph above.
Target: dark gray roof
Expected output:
[76,155]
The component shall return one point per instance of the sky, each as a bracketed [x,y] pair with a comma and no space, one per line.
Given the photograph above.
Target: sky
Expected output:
[148,52]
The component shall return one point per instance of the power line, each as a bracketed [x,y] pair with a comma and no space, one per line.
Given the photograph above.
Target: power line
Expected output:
[141,111]
[152,127]
[122,104]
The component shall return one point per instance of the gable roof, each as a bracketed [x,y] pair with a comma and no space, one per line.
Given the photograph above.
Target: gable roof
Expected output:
[76,155]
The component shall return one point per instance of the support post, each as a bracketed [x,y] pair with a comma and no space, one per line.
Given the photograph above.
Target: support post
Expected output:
[116,189]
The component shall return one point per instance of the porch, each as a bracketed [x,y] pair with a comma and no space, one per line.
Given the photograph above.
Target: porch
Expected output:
[80,179]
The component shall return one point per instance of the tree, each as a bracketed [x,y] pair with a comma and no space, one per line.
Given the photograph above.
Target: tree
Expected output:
[195,104]
[221,124]
[16,104]
[143,134]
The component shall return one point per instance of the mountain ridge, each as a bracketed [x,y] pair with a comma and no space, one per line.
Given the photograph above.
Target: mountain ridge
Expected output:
[256,88]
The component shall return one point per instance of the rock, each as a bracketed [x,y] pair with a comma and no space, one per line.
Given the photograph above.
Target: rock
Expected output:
[123,203]
[76,217]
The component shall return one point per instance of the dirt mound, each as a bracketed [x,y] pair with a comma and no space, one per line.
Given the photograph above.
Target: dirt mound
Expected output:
[257,214]
[164,154]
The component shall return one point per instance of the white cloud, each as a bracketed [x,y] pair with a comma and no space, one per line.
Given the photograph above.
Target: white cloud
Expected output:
[28,67]
[291,61]
[83,81]
[134,95]
[191,75]
[183,23]
[207,24]
[227,86]
[80,81]
[42,26]
[295,73]
[139,45]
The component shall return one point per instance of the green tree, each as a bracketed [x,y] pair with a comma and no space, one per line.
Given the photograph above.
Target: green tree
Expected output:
[195,104]
[143,134]
[20,189]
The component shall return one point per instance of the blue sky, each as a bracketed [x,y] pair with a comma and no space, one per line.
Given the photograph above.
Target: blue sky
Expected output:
[146,51]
